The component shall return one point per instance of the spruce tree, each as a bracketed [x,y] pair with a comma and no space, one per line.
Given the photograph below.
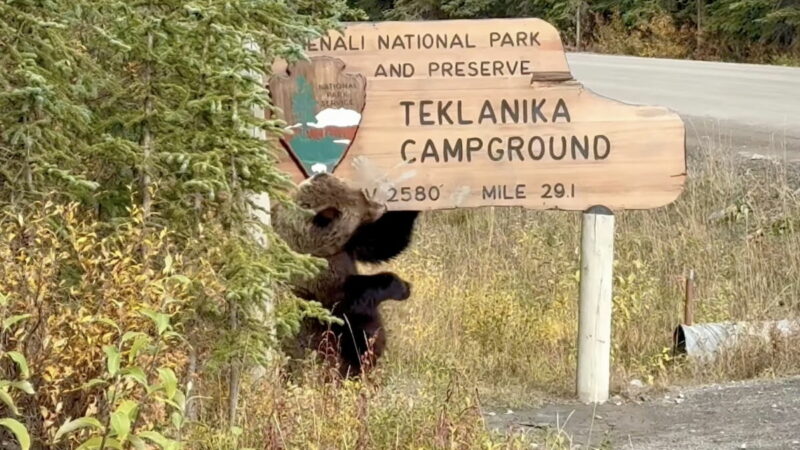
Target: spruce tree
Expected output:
[177,124]
[45,78]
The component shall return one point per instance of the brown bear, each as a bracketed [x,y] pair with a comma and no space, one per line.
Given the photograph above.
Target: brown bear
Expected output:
[345,227]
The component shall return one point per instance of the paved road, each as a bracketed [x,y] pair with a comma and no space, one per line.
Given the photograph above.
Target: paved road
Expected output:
[756,106]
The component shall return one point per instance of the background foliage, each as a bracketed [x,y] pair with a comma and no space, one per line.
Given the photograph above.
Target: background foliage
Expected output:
[134,282]
[129,154]
[744,30]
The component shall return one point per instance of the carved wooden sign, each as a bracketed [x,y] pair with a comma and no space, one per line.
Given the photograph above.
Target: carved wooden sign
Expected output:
[471,113]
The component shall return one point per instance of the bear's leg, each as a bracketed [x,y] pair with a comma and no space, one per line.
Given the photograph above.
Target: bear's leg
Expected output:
[383,239]
[363,293]
[353,342]
[362,337]
[361,343]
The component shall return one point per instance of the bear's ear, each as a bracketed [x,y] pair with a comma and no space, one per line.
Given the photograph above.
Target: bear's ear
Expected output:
[324,218]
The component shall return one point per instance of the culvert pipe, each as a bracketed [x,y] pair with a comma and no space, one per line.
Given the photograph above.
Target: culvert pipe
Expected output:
[705,341]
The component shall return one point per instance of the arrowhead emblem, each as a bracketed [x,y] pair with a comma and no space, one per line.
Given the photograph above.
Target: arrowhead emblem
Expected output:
[322,105]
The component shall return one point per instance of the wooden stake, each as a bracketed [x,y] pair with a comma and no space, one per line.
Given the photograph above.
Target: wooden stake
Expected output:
[594,325]
[688,304]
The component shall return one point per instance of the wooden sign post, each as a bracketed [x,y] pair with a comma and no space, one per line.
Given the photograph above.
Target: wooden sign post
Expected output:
[454,114]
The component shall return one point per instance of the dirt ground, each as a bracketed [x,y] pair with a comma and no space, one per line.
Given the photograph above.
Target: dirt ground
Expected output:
[762,414]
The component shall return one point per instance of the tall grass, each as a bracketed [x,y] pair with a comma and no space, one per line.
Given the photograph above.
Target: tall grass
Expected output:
[492,320]
[495,290]
[491,323]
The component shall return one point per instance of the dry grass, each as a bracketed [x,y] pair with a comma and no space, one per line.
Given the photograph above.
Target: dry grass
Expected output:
[496,290]
[492,320]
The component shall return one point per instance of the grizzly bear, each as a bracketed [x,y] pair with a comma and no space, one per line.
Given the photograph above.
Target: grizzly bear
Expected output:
[345,227]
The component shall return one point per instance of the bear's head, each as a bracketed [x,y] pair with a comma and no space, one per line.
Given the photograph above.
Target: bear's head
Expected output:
[334,211]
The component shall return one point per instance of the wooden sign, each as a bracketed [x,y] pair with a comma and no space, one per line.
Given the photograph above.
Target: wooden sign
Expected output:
[472,113]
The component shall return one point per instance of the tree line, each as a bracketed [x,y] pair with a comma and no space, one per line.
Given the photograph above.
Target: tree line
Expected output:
[739,30]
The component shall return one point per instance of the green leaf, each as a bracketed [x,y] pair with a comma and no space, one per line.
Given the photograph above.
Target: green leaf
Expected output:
[155,437]
[130,335]
[236,431]
[113,359]
[180,400]
[162,323]
[22,363]
[136,374]
[91,444]
[160,320]
[20,432]
[72,425]
[177,419]
[13,320]
[24,386]
[139,343]
[128,407]
[149,313]
[137,443]
[5,398]
[121,424]
[95,442]
[169,381]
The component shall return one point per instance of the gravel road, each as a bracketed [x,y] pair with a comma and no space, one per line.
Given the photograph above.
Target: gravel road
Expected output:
[763,414]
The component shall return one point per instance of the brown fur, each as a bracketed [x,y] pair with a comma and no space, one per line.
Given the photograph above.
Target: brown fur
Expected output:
[297,228]
[317,194]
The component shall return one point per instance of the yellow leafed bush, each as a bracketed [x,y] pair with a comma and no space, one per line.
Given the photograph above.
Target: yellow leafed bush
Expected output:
[87,291]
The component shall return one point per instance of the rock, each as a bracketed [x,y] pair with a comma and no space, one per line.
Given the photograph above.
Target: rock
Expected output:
[635,389]
[722,214]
